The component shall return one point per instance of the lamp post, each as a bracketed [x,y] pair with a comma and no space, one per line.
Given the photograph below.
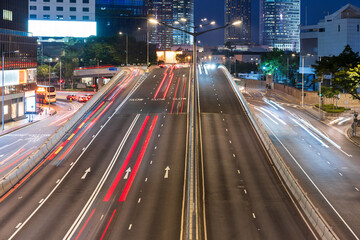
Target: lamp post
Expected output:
[302,81]
[193,119]
[147,44]
[3,87]
[126,46]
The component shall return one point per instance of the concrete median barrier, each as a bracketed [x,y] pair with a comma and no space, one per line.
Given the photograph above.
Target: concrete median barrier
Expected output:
[311,213]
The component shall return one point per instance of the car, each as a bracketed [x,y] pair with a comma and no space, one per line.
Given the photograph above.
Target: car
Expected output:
[82,99]
[71,97]
[88,96]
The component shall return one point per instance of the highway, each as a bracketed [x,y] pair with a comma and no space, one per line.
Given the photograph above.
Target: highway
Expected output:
[118,173]
[244,198]
[17,145]
[319,155]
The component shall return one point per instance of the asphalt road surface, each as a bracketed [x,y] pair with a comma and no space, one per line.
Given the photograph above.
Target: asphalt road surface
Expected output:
[243,195]
[323,160]
[118,174]
[17,145]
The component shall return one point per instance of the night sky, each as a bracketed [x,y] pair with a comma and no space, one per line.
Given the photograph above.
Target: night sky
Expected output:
[214,10]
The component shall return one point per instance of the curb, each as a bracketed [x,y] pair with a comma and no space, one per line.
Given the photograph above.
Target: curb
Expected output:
[348,136]
[17,128]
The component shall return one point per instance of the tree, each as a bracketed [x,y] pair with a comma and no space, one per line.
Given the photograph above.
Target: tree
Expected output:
[181,58]
[350,83]
[43,72]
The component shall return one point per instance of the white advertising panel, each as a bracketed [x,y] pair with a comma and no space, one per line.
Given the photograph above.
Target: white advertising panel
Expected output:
[30,102]
[11,77]
[50,28]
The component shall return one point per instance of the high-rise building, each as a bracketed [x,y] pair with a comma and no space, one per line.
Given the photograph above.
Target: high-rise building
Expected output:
[238,10]
[127,16]
[62,18]
[280,24]
[177,13]
[19,50]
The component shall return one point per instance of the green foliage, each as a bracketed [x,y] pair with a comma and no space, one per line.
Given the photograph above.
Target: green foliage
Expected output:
[280,64]
[330,108]
[43,72]
[181,58]
[345,71]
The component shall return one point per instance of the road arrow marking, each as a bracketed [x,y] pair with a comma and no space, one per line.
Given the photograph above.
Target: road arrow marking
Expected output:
[167,169]
[86,172]
[127,173]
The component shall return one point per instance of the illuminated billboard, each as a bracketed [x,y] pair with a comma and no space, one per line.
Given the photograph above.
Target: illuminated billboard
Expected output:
[49,28]
[30,102]
[16,77]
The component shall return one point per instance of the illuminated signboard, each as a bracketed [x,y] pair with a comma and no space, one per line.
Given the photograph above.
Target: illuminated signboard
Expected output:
[16,77]
[30,102]
[49,28]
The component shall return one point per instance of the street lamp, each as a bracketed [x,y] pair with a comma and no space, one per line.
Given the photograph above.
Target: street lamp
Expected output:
[127,46]
[3,87]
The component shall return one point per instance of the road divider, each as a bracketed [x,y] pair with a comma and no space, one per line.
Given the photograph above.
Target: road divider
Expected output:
[312,214]
[26,166]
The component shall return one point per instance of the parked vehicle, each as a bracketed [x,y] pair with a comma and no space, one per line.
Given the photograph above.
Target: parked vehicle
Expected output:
[82,99]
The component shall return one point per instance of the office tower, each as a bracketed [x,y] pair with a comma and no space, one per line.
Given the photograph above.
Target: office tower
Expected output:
[177,13]
[128,17]
[236,10]
[62,18]
[19,50]
[280,24]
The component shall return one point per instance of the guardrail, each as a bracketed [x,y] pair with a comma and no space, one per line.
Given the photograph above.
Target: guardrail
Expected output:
[321,227]
[14,176]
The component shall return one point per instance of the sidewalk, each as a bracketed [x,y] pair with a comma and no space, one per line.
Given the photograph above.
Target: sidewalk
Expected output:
[16,125]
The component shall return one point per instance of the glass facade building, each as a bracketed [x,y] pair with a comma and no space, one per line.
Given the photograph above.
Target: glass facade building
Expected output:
[169,12]
[238,10]
[280,24]
[114,16]
[20,66]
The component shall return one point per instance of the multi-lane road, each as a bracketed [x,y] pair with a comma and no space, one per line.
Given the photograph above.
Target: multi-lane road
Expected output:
[320,156]
[119,173]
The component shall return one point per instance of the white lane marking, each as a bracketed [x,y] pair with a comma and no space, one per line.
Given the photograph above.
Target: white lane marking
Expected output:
[318,153]
[8,145]
[167,169]
[253,214]
[1,155]
[345,120]
[71,163]
[93,196]
[238,171]
[17,226]
[58,181]
[336,120]
[328,162]
[158,135]
[325,137]
[227,130]
[278,105]
[271,104]
[230,141]
[233,155]
[274,115]
[127,173]
[146,179]
[139,200]
[86,172]
[41,200]
[340,174]
[150,162]
[356,189]
[102,216]
[130,226]
[313,183]
[155,147]
[312,134]
[263,112]
[245,191]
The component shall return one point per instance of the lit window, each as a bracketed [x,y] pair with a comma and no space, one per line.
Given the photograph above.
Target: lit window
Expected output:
[7,15]
[72,17]
[32,16]
[46,16]
[59,17]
